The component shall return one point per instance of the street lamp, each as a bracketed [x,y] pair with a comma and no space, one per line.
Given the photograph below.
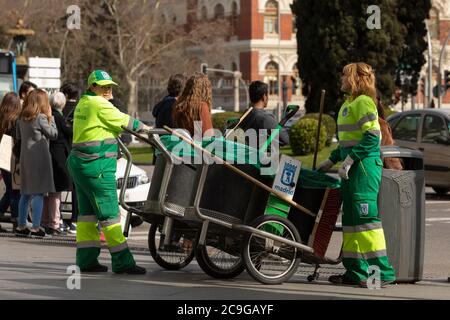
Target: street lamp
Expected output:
[237,80]
[440,70]
[20,34]
[430,66]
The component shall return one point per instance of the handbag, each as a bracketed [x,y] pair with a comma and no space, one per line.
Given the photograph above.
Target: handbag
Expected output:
[6,145]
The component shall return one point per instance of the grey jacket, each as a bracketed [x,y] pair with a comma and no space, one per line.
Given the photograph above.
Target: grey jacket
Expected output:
[260,119]
[36,172]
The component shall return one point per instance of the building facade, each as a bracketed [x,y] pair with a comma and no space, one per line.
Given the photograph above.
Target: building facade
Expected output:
[439,28]
[262,45]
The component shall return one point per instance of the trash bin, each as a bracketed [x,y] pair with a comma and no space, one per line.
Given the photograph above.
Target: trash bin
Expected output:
[401,204]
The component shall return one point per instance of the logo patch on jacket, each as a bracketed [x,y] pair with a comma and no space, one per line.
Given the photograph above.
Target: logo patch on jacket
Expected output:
[345,112]
[364,209]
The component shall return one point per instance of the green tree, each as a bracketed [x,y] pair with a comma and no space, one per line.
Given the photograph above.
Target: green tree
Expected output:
[412,15]
[332,34]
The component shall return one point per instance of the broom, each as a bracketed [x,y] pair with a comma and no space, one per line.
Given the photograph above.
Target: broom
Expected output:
[325,222]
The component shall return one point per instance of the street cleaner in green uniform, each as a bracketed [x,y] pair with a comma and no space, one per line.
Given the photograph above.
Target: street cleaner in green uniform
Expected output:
[92,164]
[364,245]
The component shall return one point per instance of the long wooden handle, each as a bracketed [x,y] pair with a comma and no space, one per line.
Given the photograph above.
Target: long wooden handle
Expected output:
[242,174]
[240,121]
[319,125]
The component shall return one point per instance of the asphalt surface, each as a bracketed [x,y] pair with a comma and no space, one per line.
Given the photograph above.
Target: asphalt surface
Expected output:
[36,269]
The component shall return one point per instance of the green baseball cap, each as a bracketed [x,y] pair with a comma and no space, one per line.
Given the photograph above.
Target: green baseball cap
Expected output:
[101,78]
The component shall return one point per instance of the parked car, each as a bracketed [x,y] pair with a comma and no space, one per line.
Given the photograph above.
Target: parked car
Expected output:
[427,130]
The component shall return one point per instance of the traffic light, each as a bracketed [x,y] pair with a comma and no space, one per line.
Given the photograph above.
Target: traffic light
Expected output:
[204,68]
[447,79]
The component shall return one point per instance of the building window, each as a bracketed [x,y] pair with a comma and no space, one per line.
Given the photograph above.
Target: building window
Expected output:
[218,67]
[234,17]
[219,11]
[296,82]
[174,20]
[271,17]
[234,9]
[234,67]
[204,14]
[271,77]
[294,24]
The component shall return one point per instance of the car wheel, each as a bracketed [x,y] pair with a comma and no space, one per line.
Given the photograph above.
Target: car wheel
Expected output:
[441,191]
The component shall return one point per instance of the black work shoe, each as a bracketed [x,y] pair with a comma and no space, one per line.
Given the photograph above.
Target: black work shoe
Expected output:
[343,280]
[40,234]
[22,233]
[133,270]
[96,268]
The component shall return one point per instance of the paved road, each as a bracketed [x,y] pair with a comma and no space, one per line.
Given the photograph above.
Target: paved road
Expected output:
[31,269]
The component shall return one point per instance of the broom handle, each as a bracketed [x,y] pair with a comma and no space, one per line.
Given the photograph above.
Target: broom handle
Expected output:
[240,121]
[316,150]
[242,174]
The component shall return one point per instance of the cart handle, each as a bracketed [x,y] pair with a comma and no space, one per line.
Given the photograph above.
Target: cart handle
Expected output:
[155,142]
[157,132]
[125,180]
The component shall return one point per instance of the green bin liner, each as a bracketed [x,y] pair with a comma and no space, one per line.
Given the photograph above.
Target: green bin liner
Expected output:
[232,152]
[308,179]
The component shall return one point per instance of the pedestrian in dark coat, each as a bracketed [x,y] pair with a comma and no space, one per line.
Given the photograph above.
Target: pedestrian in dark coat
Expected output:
[72,93]
[163,110]
[36,128]
[59,150]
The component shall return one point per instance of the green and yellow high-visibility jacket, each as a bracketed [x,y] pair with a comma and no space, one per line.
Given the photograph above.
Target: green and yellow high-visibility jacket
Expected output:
[96,127]
[358,130]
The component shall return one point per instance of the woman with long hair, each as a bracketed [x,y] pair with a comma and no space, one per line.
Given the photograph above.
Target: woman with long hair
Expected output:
[10,109]
[59,150]
[36,127]
[193,109]
[364,245]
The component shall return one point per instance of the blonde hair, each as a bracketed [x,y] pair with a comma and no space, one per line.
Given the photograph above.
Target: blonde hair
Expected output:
[361,79]
[197,91]
[35,103]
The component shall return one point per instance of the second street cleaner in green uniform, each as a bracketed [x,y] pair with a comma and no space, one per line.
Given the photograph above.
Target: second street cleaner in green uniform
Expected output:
[359,132]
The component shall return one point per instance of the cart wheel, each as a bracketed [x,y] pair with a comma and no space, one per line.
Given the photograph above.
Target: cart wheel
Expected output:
[220,257]
[269,261]
[179,253]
